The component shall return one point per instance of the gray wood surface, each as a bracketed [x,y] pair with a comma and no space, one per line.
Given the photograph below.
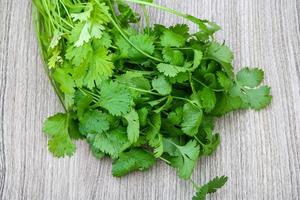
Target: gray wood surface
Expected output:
[260,151]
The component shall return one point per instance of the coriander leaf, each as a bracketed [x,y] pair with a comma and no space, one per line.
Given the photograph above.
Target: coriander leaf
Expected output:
[80,34]
[210,187]
[175,117]
[115,97]
[55,125]
[112,142]
[153,135]
[181,29]
[82,102]
[224,81]
[255,98]
[186,159]
[133,160]
[133,127]
[161,85]
[192,118]
[219,52]
[127,15]
[227,103]
[66,82]
[100,68]
[142,42]
[174,57]
[207,98]
[143,116]
[197,59]
[78,55]
[250,77]
[55,39]
[55,59]
[134,79]
[83,16]
[61,145]
[93,122]
[165,106]
[170,70]
[172,39]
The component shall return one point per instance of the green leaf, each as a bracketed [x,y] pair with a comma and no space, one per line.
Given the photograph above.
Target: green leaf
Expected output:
[175,117]
[250,77]
[100,68]
[186,159]
[174,57]
[224,81]
[133,160]
[254,98]
[144,43]
[170,70]
[80,34]
[55,125]
[153,135]
[115,97]
[134,79]
[192,118]
[93,122]
[227,103]
[133,128]
[141,41]
[65,80]
[247,89]
[172,39]
[198,55]
[78,55]
[207,98]
[60,143]
[143,116]
[55,39]
[219,52]
[161,85]
[112,142]
[127,15]
[210,187]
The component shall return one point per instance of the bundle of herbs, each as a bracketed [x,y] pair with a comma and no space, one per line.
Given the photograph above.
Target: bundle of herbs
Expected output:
[138,96]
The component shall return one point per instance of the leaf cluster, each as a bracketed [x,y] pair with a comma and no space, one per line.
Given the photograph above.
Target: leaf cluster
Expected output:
[139,96]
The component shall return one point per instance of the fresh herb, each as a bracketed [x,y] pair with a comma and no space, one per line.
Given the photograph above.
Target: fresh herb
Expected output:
[139,96]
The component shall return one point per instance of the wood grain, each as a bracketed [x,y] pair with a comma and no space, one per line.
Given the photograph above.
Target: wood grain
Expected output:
[260,151]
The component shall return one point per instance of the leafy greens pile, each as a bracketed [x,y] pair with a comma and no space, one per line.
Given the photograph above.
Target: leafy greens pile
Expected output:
[139,96]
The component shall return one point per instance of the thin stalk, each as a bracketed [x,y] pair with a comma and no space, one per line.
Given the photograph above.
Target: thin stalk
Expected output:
[37,30]
[195,185]
[159,7]
[127,39]
[204,85]
[147,18]
[165,160]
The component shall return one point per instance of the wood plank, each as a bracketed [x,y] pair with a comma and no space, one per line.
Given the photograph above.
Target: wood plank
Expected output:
[260,151]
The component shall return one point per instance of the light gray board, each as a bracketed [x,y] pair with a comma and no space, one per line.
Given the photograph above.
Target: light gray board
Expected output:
[260,151]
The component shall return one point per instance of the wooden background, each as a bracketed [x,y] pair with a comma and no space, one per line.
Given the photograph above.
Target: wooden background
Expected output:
[260,151]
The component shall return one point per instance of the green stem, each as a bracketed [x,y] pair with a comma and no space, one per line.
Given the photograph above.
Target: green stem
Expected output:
[191,83]
[159,7]
[127,39]
[165,160]
[204,85]
[36,16]
[195,185]
[147,18]
[145,91]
